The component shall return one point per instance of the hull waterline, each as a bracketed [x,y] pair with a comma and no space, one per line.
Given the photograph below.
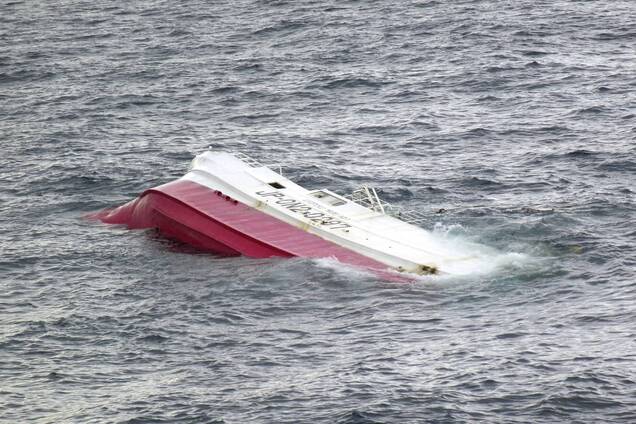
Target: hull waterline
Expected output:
[230,204]
[213,221]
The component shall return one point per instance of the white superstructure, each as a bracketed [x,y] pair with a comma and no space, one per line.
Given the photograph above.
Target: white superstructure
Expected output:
[361,222]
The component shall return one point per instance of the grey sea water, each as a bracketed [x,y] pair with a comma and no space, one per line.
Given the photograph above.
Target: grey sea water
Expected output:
[512,125]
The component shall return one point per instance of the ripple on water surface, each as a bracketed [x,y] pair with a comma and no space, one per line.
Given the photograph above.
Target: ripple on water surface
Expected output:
[510,126]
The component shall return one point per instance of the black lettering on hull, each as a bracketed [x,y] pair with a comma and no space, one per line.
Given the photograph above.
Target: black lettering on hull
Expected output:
[304,210]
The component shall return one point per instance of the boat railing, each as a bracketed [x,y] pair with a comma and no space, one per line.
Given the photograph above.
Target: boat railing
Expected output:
[250,161]
[367,196]
[247,159]
[364,196]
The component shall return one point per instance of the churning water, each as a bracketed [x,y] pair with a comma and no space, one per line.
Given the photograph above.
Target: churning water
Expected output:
[511,125]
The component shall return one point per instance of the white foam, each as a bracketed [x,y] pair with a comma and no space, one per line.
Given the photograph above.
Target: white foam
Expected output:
[343,269]
[468,258]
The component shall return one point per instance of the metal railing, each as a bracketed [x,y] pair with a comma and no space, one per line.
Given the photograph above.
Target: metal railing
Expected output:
[256,164]
[247,159]
[364,196]
[368,197]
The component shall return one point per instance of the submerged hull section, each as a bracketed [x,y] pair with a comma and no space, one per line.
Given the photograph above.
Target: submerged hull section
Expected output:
[231,204]
[213,221]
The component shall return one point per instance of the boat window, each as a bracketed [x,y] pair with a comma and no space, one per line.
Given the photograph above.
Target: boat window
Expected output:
[277,185]
[328,198]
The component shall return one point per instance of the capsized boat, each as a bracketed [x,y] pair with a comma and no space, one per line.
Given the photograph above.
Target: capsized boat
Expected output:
[231,204]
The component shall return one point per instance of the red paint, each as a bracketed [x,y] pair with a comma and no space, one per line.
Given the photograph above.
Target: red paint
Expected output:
[211,220]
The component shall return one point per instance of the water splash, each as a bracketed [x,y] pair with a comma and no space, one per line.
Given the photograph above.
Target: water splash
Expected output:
[470,259]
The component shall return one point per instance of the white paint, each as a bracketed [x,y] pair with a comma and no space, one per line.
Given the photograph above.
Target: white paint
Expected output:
[400,245]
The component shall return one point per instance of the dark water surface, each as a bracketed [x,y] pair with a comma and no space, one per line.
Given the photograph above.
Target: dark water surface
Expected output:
[518,119]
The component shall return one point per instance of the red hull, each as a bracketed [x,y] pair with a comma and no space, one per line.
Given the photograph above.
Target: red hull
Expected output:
[209,220]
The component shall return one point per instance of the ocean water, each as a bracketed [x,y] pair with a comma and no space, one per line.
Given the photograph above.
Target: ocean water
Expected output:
[511,125]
